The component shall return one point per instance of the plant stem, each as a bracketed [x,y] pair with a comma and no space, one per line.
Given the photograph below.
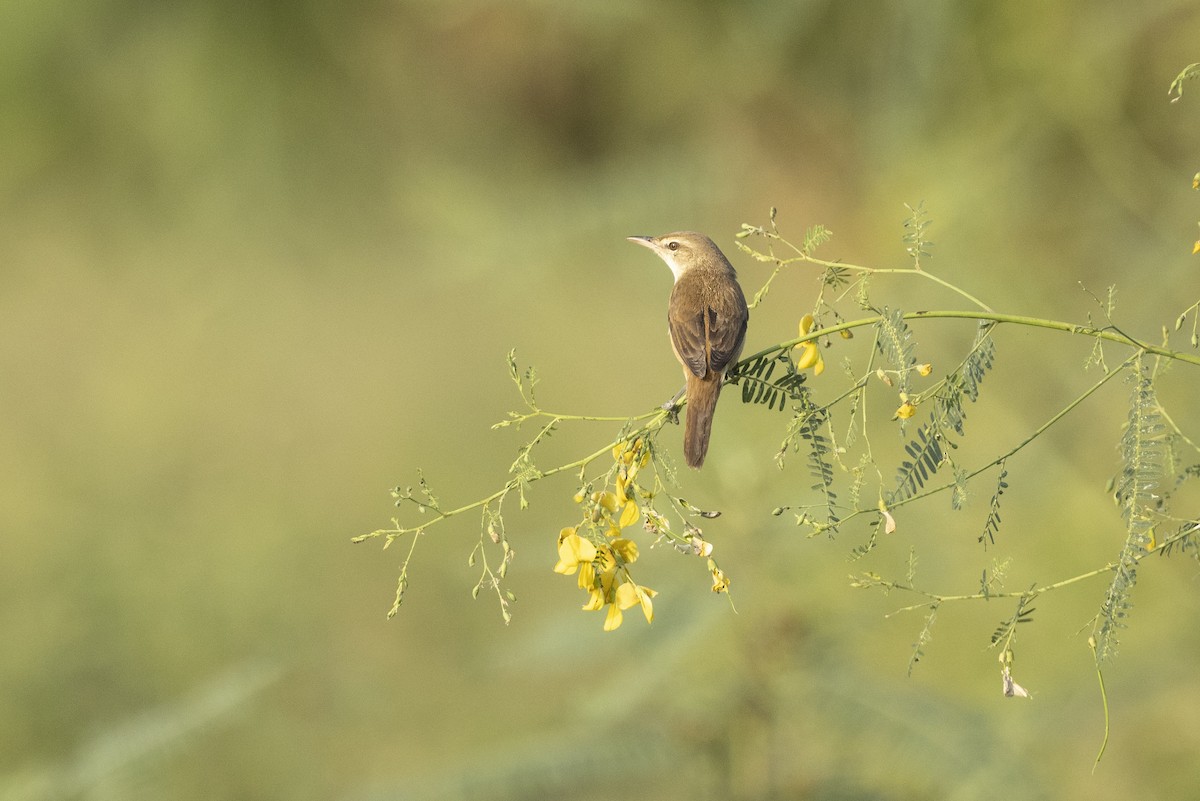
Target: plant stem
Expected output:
[953,314]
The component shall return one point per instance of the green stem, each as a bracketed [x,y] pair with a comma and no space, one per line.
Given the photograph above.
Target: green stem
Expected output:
[1058,585]
[896,271]
[952,314]
[399,531]
[1104,703]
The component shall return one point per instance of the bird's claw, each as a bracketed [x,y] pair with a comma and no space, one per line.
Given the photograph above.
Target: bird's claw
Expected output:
[671,407]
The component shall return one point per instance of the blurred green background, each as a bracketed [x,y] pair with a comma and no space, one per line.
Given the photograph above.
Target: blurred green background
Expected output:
[260,261]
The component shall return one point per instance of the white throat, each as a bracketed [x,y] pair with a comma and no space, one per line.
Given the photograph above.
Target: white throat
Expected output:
[676,270]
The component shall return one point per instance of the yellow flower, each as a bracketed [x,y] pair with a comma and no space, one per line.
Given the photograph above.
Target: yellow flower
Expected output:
[587,575]
[613,619]
[595,600]
[924,369]
[630,514]
[625,452]
[626,595]
[810,356]
[629,594]
[626,549]
[605,500]
[644,596]
[720,580]
[601,590]
[626,483]
[573,550]
[906,410]
[810,352]
[606,562]
[617,595]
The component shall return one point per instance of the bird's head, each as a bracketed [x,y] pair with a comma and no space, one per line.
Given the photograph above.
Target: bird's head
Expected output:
[682,250]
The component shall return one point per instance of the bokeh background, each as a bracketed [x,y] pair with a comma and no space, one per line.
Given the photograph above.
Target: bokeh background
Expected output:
[260,261]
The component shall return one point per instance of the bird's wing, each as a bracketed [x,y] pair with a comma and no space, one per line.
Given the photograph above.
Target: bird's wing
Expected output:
[727,329]
[708,336]
[687,328]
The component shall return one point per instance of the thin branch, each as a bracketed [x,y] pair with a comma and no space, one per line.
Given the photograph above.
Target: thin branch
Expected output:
[1002,457]
[1036,590]
[659,417]
[1035,322]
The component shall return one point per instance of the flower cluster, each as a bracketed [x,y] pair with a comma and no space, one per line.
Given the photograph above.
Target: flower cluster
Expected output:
[604,573]
[595,549]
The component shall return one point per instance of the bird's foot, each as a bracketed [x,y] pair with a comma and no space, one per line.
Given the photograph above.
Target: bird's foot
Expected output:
[671,407]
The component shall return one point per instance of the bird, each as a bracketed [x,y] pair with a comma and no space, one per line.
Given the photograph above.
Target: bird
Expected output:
[706,318]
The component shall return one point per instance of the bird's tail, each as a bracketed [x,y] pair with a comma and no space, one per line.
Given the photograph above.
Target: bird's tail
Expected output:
[702,394]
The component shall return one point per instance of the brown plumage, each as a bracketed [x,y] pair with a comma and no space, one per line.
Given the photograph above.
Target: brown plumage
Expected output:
[707,318]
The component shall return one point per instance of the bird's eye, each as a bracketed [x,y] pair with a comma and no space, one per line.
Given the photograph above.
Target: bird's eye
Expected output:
[673,245]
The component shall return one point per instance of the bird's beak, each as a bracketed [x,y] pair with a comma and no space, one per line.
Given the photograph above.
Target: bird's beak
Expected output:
[644,241]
